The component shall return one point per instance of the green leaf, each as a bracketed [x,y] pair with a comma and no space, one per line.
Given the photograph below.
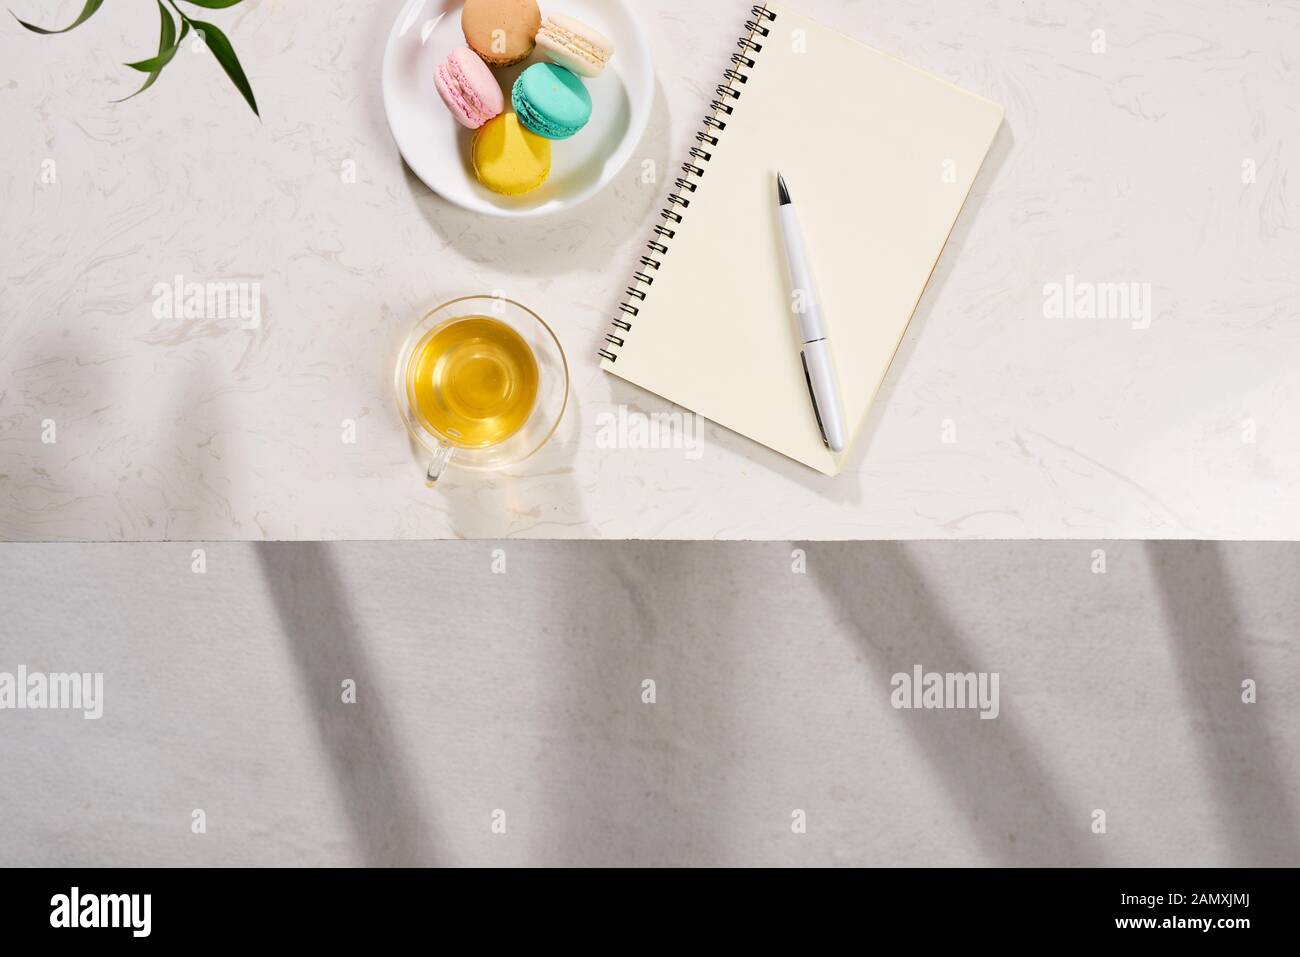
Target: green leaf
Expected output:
[214,4]
[86,12]
[163,57]
[168,44]
[216,41]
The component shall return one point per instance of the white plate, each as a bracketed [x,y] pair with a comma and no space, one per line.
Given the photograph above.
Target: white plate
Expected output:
[437,148]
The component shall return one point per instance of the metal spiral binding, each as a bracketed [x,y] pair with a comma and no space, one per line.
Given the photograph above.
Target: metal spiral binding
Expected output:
[679,201]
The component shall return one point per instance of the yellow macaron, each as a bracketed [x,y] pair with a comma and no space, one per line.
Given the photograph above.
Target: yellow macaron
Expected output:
[509,158]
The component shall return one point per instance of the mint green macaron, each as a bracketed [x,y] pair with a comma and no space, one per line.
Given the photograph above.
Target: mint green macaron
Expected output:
[551,101]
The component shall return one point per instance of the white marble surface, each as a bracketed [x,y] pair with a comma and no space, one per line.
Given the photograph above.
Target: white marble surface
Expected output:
[1117,166]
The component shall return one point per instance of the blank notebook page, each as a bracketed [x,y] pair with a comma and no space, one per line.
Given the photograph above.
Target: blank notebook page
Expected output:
[879,157]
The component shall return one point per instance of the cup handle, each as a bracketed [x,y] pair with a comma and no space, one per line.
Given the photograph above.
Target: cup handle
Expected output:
[441,456]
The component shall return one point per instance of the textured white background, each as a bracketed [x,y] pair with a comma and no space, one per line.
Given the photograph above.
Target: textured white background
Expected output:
[521,692]
[1112,167]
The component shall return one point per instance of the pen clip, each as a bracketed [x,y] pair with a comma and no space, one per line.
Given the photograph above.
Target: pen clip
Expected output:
[807,377]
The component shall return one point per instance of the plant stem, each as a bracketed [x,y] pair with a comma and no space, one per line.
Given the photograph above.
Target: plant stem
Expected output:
[179,13]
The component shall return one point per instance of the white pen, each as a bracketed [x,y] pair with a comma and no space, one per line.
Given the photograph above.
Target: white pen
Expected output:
[815,350]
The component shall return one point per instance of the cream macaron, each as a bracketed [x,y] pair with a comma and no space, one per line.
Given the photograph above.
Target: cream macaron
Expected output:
[573,44]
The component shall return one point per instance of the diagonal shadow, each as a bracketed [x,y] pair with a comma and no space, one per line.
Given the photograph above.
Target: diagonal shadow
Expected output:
[1012,806]
[379,796]
[643,778]
[1256,804]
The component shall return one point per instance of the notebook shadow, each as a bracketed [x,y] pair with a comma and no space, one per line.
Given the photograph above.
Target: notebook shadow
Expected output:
[922,317]
[1255,802]
[377,792]
[637,399]
[1015,811]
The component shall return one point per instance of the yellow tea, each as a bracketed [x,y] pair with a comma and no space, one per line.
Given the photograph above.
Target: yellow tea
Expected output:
[473,381]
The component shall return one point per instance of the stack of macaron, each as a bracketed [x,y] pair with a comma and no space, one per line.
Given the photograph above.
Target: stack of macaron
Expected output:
[512,150]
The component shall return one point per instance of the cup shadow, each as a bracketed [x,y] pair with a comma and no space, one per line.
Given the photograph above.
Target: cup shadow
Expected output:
[523,498]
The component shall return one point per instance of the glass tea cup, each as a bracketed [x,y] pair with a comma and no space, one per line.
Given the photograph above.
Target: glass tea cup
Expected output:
[464,379]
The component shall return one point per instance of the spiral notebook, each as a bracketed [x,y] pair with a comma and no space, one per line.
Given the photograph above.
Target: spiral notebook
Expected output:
[879,157]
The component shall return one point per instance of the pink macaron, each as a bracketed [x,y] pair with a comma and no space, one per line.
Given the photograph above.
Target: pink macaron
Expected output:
[468,88]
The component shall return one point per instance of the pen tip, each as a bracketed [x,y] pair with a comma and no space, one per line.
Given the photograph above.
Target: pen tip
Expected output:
[782,193]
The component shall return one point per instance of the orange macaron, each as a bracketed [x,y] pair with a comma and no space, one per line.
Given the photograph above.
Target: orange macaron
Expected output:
[502,32]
